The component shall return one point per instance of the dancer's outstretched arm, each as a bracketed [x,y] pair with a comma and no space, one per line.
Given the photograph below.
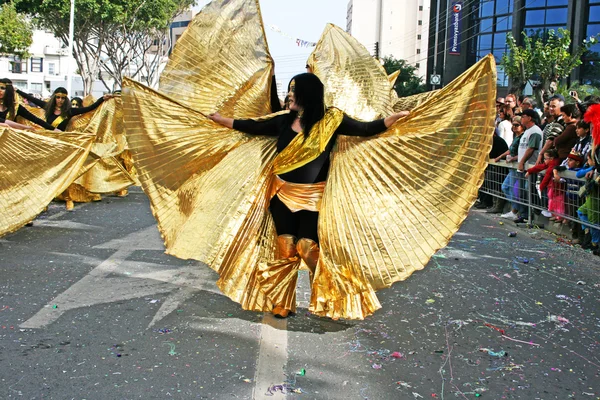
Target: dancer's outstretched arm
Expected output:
[219,119]
[352,127]
[389,121]
[16,125]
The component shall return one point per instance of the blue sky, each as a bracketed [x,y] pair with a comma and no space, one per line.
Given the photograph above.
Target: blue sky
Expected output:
[303,19]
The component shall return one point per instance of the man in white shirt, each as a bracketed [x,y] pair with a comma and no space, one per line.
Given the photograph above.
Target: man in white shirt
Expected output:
[529,148]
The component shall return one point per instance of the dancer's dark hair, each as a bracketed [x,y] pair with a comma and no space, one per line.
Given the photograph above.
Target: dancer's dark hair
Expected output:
[51,104]
[8,100]
[584,125]
[77,100]
[309,93]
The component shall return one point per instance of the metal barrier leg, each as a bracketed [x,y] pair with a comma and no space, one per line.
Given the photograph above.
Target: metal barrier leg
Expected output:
[530,184]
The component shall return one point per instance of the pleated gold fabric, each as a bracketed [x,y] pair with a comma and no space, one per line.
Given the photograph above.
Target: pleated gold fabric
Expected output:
[389,203]
[355,81]
[410,102]
[208,188]
[298,196]
[109,174]
[222,62]
[303,150]
[417,183]
[34,168]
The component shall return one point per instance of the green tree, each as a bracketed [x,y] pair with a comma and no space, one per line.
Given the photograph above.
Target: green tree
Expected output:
[97,21]
[140,41]
[543,58]
[16,34]
[408,83]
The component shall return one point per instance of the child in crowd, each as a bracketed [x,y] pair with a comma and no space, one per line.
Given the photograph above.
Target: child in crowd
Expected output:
[584,142]
[574,163]
[556,203]
[588,212]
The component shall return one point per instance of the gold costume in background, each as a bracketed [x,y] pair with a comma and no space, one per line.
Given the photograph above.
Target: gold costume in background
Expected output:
[35,167]
[389,203]
[108,173]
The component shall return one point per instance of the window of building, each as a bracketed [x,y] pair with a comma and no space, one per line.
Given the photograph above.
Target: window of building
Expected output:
[20,85]
[420,22]
[590,68]
[486,8]
[420,8]
[418,37]
[51,69]
[36,87]
[417,65]
[594,14]
[492,20]
[418,51]
[17,66]
[37,64]
[543,15]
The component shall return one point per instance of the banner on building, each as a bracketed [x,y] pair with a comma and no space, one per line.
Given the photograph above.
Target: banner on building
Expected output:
[455,27]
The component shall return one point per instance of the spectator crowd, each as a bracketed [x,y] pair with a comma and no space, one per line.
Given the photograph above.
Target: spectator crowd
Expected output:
[543,143]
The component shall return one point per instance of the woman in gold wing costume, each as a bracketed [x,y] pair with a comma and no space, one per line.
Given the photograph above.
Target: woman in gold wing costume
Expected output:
[58,109]
[390,200]
[10,109]
[102,118]
[297,192]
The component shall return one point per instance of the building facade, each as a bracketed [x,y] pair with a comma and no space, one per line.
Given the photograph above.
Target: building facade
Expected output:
[45,69]
[481,26]
[396,28]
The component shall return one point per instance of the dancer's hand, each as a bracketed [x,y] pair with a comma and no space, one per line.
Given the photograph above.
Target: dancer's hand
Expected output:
[219,119]
[389,121]
[108,96]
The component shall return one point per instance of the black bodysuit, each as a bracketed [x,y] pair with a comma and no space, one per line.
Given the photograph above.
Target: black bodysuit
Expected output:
[72,112]
[303,224]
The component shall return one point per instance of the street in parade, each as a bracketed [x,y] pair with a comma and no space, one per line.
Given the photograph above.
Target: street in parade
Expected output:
[248,199]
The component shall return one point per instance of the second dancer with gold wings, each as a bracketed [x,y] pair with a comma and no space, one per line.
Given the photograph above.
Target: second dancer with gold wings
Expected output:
[385,204]
[105,173]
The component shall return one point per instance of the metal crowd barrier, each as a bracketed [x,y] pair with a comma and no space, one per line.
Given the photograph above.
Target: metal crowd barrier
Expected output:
[525,193]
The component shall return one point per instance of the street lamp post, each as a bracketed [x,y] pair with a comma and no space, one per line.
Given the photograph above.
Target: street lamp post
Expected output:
[71,29]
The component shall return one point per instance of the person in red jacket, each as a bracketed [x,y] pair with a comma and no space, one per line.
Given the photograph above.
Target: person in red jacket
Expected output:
[556,202]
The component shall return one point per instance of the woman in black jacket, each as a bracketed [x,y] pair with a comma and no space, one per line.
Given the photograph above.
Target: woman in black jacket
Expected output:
[59,110]
[10,109]
[296,219]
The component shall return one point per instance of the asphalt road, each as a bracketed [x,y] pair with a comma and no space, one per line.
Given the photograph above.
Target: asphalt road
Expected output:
[91,308]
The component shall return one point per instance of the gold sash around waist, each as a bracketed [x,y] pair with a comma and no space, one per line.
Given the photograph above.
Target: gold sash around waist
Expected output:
[298,196]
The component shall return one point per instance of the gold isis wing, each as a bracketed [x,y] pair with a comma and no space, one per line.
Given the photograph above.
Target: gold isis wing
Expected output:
[221,63]
[390,201]
[35,167]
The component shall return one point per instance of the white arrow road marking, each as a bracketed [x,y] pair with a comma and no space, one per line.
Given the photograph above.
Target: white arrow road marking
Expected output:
[172,303]
[117,279]
[65,224]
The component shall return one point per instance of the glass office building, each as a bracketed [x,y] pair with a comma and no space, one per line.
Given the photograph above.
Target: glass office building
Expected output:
[485,24]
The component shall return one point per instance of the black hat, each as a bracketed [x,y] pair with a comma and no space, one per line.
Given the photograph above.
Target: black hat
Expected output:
[531,114]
